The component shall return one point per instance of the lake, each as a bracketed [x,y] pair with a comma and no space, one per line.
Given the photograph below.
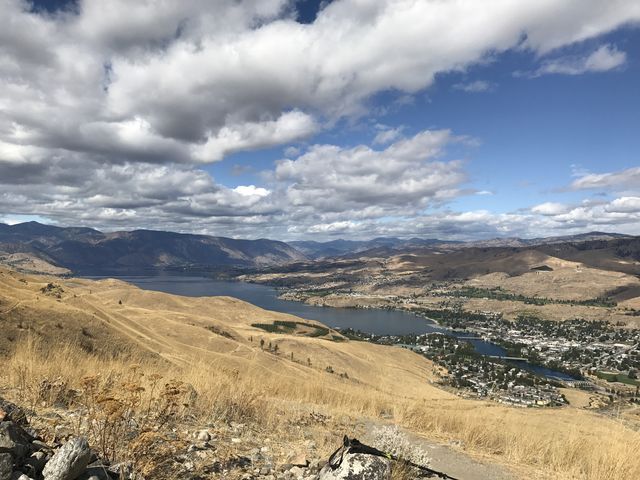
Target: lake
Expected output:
[377,321]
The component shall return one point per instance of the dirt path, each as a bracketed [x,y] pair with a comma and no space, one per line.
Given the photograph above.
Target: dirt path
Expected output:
[451,461]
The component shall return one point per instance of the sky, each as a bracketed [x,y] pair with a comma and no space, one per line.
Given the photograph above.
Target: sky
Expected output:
[451,119]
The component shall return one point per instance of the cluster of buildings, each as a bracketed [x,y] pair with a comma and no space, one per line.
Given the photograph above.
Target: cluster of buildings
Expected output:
[475,375]
[576,346]
[539,396]
[484,378]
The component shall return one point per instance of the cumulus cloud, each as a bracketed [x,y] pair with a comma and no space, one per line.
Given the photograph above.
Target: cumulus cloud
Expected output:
[404,175]
[109,111]
[255,135]
[251,190]
[624,205]
[620,213]
[163,79]
[622,180]
[550,208]
[605,58]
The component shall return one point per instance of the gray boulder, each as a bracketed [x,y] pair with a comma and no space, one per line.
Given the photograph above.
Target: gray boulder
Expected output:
[358,466]
[69,462]
[14,440]
[6,466]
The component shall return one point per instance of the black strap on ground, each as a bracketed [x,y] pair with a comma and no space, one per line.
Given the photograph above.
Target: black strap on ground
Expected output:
[352,445]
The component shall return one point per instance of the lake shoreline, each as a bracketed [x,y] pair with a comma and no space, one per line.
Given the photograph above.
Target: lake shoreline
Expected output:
[380,321]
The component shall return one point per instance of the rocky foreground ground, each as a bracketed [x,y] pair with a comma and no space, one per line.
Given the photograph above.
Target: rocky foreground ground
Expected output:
[25,455]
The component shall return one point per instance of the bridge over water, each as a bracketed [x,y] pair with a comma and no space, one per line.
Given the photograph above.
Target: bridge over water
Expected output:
[515,359]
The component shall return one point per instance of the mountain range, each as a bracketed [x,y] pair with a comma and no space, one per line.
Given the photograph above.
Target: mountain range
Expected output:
[86,250]
[390,245]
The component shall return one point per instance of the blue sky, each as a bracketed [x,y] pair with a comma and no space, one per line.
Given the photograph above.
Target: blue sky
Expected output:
[346,119]
[533,133]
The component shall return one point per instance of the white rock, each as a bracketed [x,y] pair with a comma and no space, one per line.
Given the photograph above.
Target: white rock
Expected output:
[69,461]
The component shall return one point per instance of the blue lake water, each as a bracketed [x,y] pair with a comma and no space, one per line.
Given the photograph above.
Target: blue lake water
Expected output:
[376,321]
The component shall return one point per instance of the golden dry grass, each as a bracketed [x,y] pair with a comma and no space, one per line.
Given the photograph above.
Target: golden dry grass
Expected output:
[235,379]
[567,281]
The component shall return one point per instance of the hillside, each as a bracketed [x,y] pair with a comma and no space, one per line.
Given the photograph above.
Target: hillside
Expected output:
[392,245]
[87,250]
[327,383]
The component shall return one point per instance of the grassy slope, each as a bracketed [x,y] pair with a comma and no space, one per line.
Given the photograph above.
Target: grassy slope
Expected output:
[171,332]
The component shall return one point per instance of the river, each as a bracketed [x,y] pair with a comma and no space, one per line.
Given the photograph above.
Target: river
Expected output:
[376,321]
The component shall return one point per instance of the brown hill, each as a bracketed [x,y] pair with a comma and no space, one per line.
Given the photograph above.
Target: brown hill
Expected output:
[87,250]
[211,344]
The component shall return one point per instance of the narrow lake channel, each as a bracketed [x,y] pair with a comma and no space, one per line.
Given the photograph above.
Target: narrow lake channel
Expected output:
[376,321]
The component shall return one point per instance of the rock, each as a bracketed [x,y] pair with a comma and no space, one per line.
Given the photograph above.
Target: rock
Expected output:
[6,466]
[298,460]
[20,476]
[36,462]
[98,473]
[358,466]
[121,470]
[69,462]
[14,440]
[296,472]
[11,412]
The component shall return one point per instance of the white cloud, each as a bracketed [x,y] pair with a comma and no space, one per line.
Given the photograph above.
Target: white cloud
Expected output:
[251,136]
[605,58]
[335,227]
[251,190]
[405,174]
[624,205]
[617,181]
[106,114]
[204,82]
[622,213]
[387,135]
[550,208]
[475,86]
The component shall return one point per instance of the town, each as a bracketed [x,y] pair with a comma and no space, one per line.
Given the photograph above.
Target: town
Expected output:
[474,375]
[579,347]
[598,354]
